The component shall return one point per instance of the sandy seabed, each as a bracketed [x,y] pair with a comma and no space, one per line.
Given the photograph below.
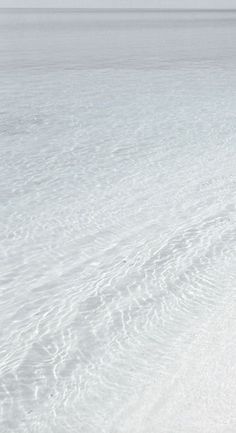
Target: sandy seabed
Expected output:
[118,212]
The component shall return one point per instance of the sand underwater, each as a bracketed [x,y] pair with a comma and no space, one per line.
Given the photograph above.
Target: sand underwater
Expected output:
[118,222]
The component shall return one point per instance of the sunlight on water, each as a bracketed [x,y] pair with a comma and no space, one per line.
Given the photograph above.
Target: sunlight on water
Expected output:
[118,212]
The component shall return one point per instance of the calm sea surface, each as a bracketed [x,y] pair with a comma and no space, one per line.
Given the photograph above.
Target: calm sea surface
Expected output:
[117,221]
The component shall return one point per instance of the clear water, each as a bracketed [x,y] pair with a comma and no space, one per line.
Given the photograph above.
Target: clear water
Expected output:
[118,212]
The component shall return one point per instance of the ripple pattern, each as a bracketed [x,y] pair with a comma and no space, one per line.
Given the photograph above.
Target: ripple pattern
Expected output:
[118,245]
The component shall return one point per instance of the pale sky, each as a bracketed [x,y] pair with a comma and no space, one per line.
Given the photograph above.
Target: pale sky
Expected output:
[231,4]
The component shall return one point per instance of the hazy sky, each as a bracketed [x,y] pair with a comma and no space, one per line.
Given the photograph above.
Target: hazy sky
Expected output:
[121,3]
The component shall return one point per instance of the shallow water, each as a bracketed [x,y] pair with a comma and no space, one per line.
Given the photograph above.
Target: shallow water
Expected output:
[118,211]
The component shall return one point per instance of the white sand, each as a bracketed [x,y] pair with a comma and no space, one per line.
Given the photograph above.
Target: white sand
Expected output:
[117,186]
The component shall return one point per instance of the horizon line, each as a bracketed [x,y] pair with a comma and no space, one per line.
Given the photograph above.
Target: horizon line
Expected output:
[119,9]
